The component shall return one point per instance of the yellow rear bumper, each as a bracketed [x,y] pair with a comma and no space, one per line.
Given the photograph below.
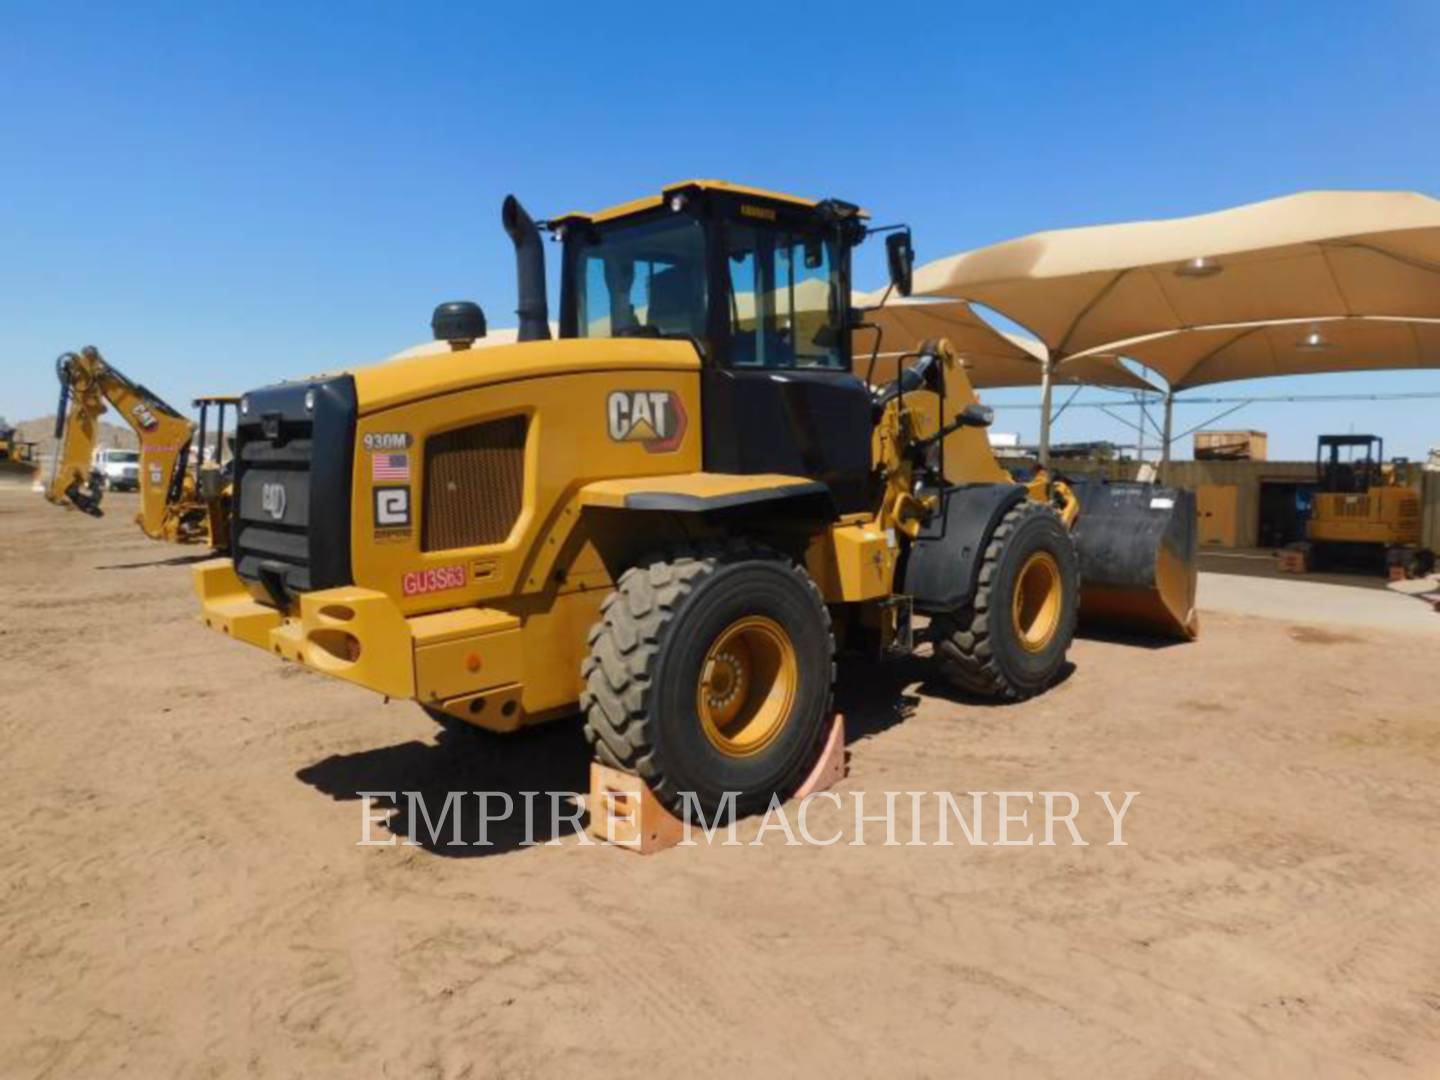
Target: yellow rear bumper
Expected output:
[468,662]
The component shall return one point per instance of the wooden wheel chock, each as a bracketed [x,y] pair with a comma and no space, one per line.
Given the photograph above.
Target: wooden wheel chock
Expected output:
[625,813]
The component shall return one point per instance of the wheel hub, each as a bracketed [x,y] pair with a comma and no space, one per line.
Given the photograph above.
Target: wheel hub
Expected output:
[747,686]
[1038,601]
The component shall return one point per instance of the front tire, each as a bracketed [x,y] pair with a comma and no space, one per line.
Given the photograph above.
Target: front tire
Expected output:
[1010,642]
[710,671]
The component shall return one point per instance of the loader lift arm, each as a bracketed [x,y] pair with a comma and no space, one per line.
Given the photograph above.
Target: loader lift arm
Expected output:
[88,386]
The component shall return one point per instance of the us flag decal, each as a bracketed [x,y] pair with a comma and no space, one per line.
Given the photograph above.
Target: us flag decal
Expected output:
[390,468]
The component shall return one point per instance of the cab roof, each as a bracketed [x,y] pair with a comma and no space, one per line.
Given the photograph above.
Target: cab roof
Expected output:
[649,202]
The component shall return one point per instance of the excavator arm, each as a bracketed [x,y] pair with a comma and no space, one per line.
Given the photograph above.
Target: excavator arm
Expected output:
[87,386]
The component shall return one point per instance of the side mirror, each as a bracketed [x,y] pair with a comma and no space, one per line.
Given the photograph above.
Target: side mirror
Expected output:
[976,415]
[900,256]
[459,322]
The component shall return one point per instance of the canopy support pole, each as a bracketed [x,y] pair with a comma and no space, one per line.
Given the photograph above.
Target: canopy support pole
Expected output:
[1046,388]
[1166,437]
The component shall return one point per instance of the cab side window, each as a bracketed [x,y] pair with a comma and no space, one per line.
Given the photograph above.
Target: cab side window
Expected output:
[783,291]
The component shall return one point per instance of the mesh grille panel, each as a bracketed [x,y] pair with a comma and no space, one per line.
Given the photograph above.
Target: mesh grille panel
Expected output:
[1356,506]
[474,484]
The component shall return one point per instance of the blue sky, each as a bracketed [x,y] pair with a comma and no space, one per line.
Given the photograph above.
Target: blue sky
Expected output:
[220,196]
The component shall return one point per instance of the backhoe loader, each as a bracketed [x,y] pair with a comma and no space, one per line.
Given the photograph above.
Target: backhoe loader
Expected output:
[672,517]
[176,504]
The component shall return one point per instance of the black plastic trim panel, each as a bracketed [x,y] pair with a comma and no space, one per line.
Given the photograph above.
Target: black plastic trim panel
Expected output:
[940,570]
[694,504]
[310,453]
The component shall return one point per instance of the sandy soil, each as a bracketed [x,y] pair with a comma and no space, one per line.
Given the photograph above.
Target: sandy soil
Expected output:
[183,894]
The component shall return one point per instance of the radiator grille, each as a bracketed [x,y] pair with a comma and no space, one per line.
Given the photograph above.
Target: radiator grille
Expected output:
[474,484]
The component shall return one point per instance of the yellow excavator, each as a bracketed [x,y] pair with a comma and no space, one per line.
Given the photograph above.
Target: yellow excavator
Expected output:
[675,516]
[177,504]
[1363,511]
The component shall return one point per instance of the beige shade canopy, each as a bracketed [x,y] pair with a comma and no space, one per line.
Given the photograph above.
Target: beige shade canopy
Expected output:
[1313,255]
[1212,354]
[992,357]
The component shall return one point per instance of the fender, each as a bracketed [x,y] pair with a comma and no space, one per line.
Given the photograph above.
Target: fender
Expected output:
[700,493]
[940,570]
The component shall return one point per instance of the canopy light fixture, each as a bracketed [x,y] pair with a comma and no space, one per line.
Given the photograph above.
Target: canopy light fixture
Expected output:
[1313,342]
[1200,266]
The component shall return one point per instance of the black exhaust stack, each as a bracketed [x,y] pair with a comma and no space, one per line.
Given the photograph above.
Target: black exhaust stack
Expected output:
[533,309]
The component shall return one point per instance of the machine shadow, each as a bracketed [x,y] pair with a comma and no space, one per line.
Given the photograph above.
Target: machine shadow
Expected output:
[174,560]
[1131,640]
[419,777]
[936,686]
[872,695]
[411,779]
[875,695]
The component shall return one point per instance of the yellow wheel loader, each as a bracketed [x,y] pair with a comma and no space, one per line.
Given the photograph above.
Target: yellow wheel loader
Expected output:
[670,518]
[176,503]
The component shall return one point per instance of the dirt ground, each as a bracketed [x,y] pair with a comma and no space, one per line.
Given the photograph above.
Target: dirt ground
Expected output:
[183,894]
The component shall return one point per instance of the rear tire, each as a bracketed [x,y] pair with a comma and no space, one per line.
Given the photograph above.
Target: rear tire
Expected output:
[710,671]
[1010,642]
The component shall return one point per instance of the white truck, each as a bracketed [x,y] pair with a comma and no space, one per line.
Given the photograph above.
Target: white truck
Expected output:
[116,470]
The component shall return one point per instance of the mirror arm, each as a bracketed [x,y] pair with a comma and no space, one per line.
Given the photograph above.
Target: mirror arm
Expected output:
[964,420]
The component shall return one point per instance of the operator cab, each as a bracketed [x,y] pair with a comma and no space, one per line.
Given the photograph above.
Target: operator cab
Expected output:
[1349,464]
[760,284]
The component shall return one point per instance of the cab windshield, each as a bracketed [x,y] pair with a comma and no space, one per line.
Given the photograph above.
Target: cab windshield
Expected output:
[777,304]
[642,280]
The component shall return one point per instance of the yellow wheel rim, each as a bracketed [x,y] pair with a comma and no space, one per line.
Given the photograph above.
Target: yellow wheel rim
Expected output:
[1038,600]
[747,686]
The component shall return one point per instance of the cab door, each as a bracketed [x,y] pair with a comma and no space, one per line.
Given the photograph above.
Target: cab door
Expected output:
[778,393]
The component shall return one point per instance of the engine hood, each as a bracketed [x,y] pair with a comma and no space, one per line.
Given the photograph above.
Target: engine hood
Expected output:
[410,378]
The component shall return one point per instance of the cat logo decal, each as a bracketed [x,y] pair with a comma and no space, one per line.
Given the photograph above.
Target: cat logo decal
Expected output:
[654,418]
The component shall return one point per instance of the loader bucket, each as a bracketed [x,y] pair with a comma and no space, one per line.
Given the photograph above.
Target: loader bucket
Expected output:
[1137,558]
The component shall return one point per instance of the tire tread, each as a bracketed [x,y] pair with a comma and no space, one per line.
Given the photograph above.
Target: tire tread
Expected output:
[963,641]
[627,641]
